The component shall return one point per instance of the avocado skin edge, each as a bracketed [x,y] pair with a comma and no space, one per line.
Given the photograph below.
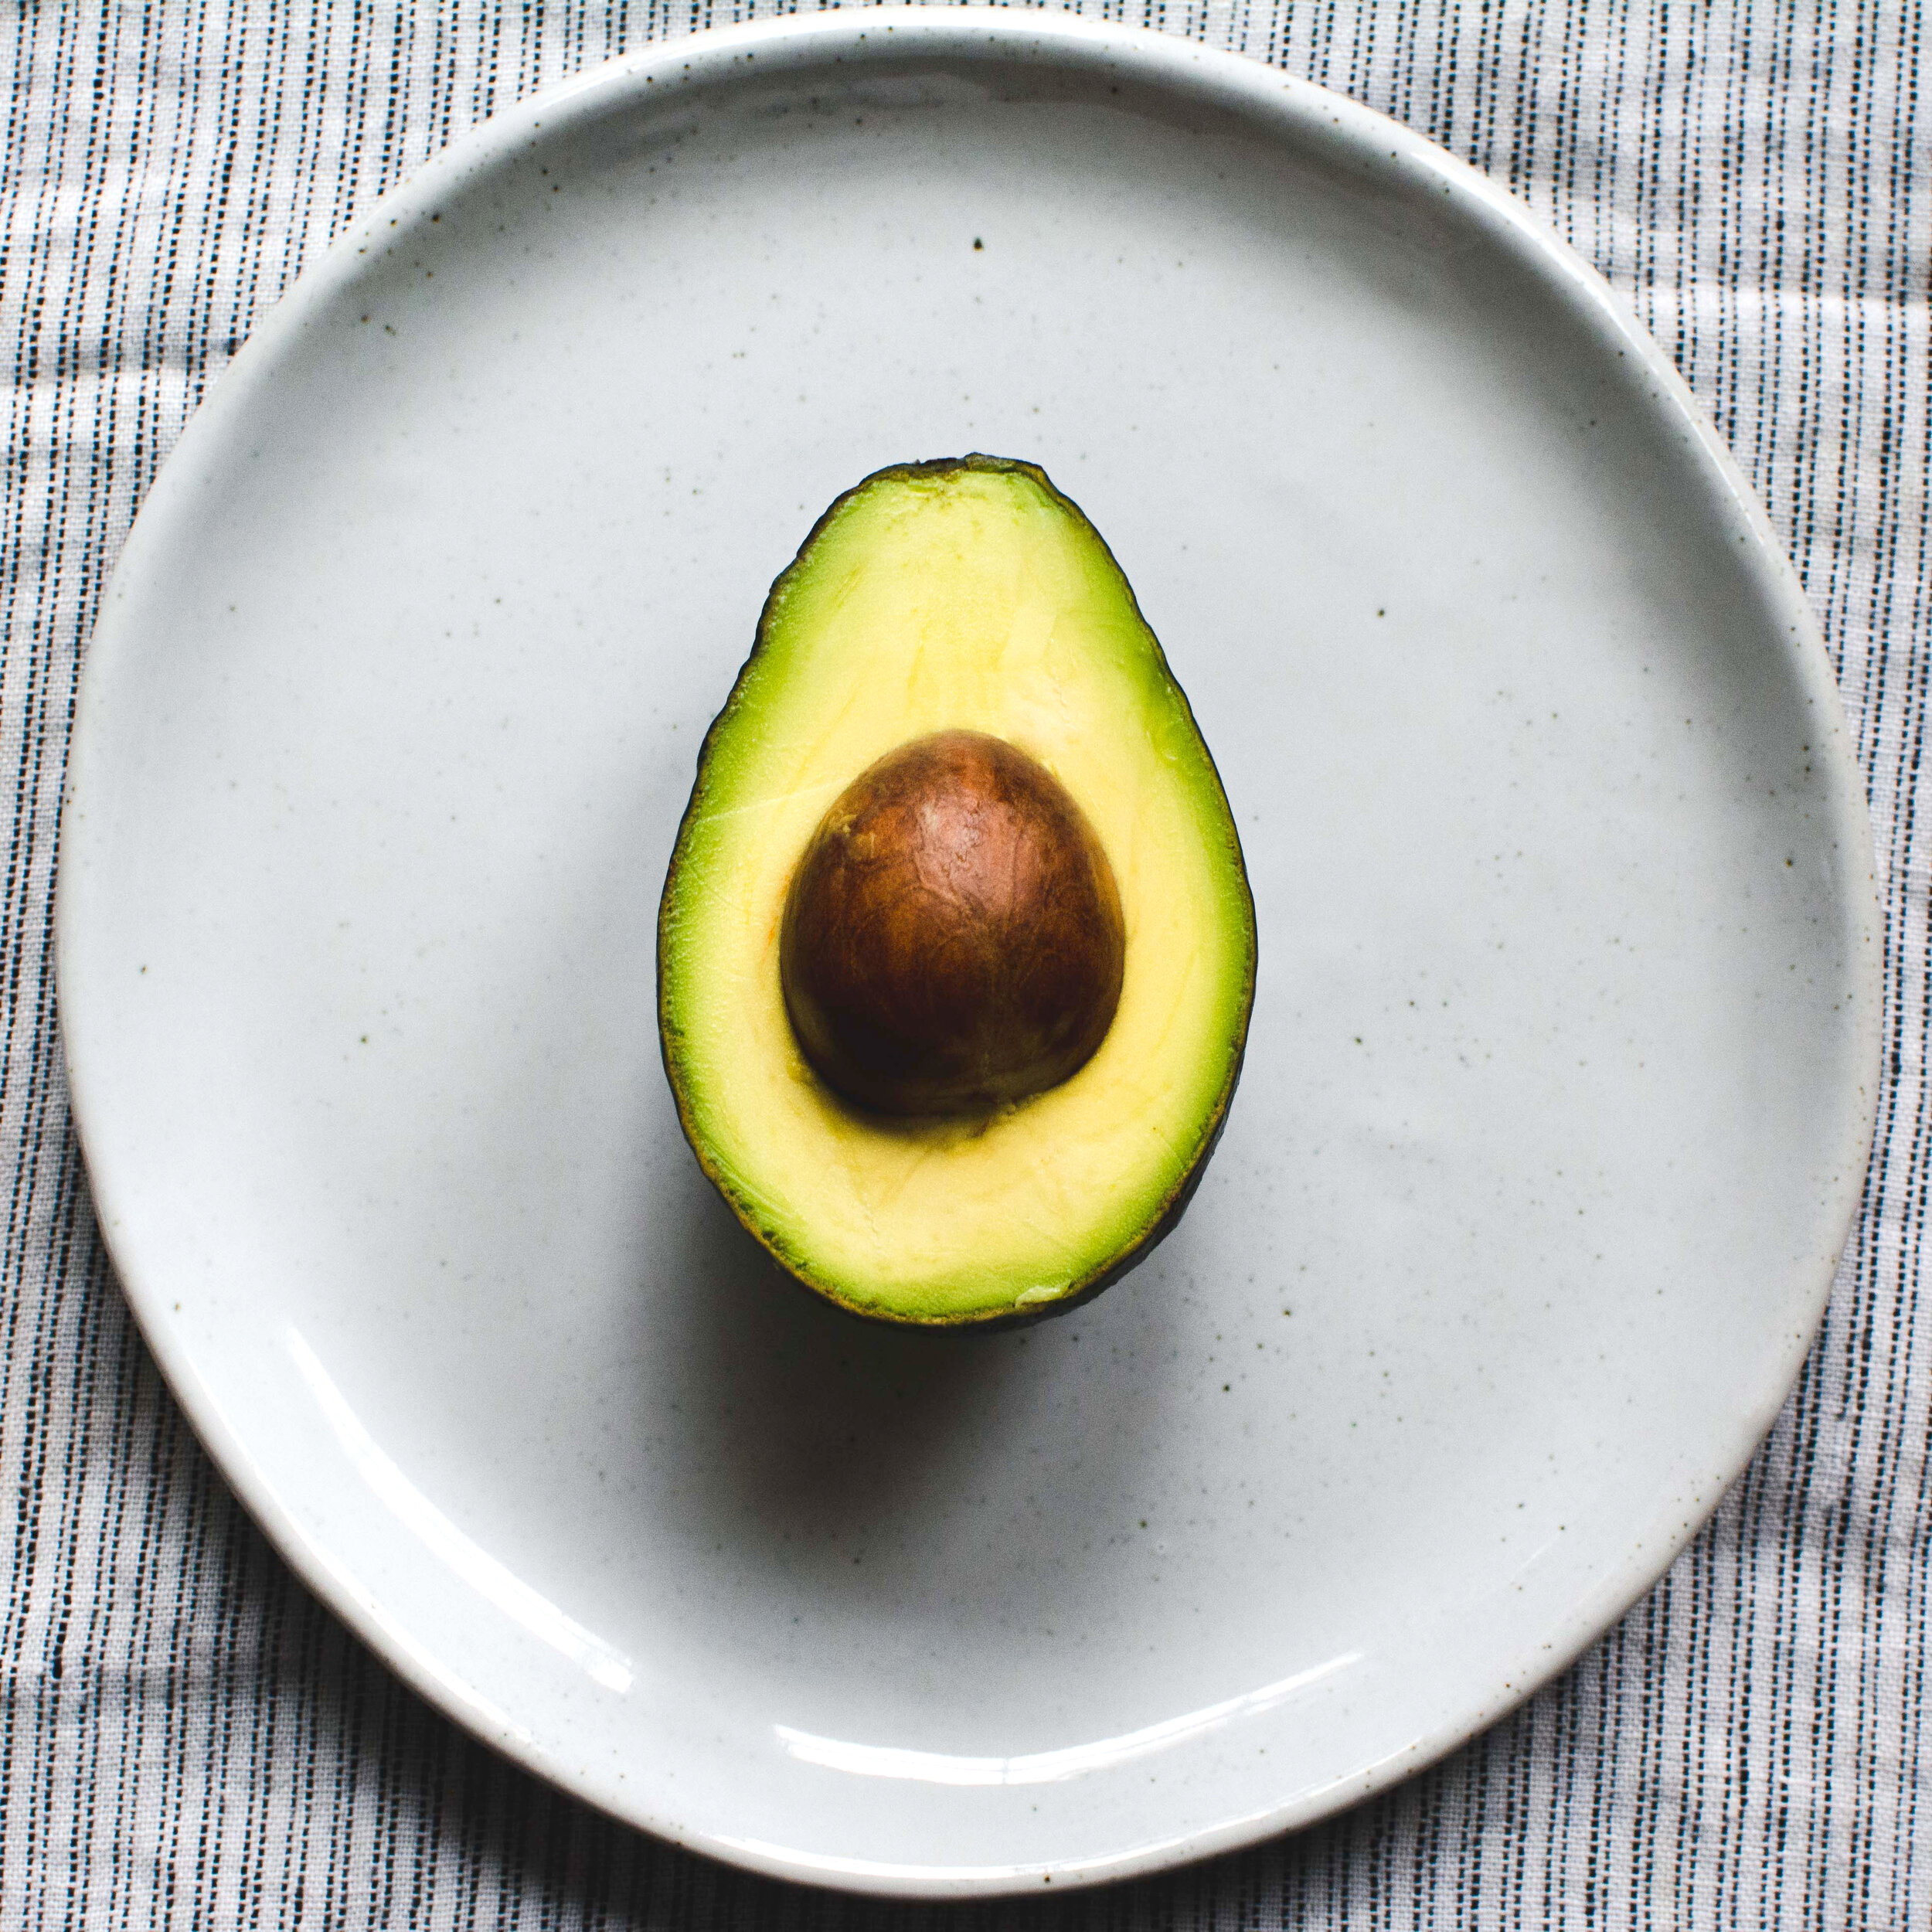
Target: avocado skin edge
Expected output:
[1168,1216]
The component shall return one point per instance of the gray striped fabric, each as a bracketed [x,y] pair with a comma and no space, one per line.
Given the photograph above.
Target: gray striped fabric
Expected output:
[187,1739]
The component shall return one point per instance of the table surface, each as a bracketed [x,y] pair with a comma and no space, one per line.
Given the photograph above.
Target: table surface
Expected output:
[187,1738]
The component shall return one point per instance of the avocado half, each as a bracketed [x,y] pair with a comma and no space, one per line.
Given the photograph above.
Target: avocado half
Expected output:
[962,594]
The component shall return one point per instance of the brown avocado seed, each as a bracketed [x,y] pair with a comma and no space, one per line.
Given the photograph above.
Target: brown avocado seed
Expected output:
[952,938]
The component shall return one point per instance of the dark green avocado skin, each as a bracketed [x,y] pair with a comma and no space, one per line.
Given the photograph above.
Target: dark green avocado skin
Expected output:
[1169,1217]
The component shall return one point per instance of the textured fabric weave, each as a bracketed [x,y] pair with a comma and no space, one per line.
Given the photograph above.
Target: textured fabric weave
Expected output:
[186,1739]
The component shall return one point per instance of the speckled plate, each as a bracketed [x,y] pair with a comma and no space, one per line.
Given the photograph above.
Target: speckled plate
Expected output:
[1558,1091]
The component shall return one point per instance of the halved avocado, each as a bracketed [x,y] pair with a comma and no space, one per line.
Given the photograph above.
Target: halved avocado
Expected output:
[935,599]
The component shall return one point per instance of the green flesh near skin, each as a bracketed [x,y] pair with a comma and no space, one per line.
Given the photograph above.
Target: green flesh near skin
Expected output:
[967,595]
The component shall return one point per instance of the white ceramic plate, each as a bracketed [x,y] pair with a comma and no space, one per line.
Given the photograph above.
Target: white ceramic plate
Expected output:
[1559,1091]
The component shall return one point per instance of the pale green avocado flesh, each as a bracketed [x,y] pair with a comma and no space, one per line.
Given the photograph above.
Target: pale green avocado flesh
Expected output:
[968,594]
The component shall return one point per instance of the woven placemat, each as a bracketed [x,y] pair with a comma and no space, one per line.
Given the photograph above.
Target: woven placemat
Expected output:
[188,1740]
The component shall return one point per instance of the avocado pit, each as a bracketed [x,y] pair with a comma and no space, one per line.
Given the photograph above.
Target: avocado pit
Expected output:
[952,939]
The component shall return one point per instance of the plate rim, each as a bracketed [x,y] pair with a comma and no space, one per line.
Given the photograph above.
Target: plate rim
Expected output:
[1292,107]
